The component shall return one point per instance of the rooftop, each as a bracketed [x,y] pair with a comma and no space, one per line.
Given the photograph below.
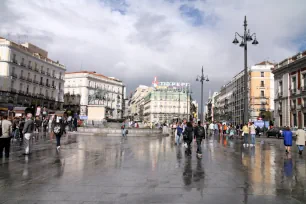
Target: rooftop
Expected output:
[32,50]
[290,60]
[95,74]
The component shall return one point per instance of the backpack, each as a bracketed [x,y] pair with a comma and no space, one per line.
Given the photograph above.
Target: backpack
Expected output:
[57,129]
[201,132]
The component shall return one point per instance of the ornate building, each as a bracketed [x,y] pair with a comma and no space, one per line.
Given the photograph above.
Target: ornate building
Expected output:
[29,77]
[84,89]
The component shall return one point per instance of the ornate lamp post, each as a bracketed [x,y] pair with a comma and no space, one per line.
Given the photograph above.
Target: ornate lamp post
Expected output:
[245,38]
[201,79]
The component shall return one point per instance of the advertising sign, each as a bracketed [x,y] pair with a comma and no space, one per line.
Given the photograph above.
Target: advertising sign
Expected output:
[170,85]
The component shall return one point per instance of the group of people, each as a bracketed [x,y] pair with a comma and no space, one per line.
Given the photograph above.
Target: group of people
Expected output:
[23,129]
[300,139]
[188,131]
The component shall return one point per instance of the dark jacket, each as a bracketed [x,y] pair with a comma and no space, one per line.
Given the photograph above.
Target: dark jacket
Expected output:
[28,126]
[197,133]
[189,134]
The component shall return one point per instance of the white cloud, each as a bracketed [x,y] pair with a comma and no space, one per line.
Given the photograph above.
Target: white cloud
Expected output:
[152,38]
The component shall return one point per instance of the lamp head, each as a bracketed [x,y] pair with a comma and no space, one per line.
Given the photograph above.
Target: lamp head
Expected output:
[235,41]
[242,44]
[255,42]
[197,79]
[207,79]
[249,38]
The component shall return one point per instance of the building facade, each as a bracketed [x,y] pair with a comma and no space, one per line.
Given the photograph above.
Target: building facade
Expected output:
[96,90]
[29,78]
[230,104]
[290,91]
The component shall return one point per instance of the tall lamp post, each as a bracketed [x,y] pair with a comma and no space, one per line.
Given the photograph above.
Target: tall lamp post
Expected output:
[201,79]
[245,38]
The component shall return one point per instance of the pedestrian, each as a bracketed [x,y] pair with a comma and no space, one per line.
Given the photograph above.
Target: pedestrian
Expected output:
[224,129]
[45,124]
[178,133]
[211,128]
[5,138]
[199,133]
[287,133]
[188,136]
[59,128]
[65,124]
[37,123]
[123,129]
[21,126]
[245,133]
[27,132]
[232,132]
[216,128]
[75,124]
[300,140]
[253,134]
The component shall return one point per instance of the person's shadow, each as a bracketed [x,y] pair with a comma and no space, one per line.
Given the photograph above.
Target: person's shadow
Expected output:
[187,173]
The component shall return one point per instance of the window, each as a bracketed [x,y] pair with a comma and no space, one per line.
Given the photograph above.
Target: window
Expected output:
[21,74]
[14,58]
[47,82]
[40,91]
[262,93]
[47,70]
[304,81]
[293,83]
[47,93]
[34,90]
[41,80]
[28,89]
[60,86]
[53,73]
[22,61]
[35,66]
[52,83]
[35,77]
[29,64]
[262,84]
[262,74]
[20,87]
[13,70]
[29,75]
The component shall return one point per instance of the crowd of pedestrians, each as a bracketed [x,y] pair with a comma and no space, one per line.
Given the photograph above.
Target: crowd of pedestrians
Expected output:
[23,129]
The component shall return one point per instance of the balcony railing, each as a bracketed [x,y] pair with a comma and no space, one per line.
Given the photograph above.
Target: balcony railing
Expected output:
[303,88]
[293,107]
[13,90]
[23,65]
[303,106]
[53,86]
[41,83]
[15,61]
[29,80]
[14,75]
[280,94]
[293,91]
[36,70]
[35,82]
[30,67]
[21,92]
[48,85]
[22,78]
[43,72]
[48,74]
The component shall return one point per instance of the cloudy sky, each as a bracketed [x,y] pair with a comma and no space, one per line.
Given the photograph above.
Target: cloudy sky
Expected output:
[135,40]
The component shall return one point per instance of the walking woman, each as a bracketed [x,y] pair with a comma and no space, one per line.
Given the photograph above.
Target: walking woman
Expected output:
[178,133]
[300,139]
[287,139]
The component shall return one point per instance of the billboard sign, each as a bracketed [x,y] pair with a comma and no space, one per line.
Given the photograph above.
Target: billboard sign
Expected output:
[170,85]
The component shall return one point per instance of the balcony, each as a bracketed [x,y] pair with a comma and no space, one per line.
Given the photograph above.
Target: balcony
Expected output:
[40,95]
[35,82]
[46,97]
[303,88]
[23,65]
[30,67]
[22,78]
[279,109]
[15,61]
[48,74]
[293,107]
[36,70]
[13,90]
[14,75]
[29,79]
[280,94]
[21,92]
[41,83]
[43,72]
[53,87]
[261,86]
[48,85]
[303,106]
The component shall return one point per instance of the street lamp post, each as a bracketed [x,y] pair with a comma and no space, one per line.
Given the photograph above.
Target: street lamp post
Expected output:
[201,79]
[245,38]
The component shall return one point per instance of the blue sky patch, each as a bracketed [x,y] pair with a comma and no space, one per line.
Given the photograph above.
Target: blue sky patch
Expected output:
[120,6]
[194,15]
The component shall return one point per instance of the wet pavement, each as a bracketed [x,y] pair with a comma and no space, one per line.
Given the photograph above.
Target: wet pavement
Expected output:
[96,170]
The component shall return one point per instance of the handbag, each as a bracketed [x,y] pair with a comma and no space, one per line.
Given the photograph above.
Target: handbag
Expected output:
[126,132]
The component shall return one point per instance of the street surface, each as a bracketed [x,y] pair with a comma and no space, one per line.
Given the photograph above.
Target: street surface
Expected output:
[96,170]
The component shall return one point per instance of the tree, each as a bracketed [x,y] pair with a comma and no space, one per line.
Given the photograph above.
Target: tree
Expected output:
[266,115]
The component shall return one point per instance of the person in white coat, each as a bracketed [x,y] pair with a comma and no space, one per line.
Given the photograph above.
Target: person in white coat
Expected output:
[300,139]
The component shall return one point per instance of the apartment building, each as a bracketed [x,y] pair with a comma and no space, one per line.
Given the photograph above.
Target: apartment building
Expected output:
[261,88]
[85,88]
[290,91]
[28,77]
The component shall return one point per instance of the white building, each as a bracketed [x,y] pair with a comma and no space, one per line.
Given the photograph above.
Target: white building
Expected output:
[137,102]
[96,90]
[29,77]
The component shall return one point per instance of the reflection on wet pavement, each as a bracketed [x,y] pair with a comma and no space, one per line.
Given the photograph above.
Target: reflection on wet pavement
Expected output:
[93,169]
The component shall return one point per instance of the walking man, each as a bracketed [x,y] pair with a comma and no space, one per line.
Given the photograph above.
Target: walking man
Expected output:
[199,133]
[5,139]
[28,131]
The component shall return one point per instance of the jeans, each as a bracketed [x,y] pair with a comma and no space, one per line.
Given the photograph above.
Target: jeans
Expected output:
[246,138]
[58,140]
[216,131]
[188,149]
[5,143]
[253,137]
[27,143]
[177,139]
[123,133]
[301,147]
[199,148]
